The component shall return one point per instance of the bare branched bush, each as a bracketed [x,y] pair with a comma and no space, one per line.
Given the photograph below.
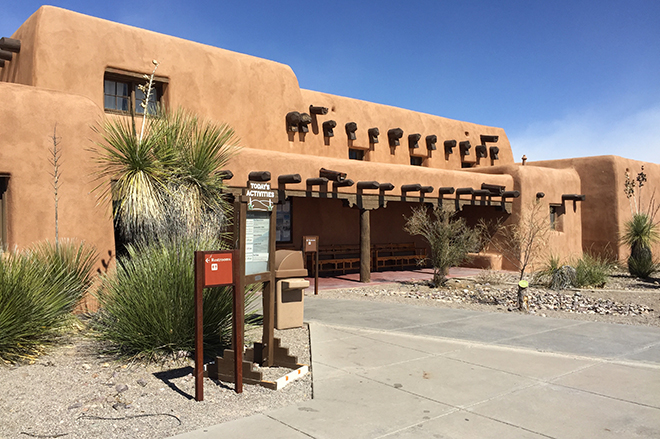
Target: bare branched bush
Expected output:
[449,237]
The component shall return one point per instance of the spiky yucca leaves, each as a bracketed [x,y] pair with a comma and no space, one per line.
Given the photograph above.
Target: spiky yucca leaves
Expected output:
[148,307]
[38,290]
[641,232]
[178,154]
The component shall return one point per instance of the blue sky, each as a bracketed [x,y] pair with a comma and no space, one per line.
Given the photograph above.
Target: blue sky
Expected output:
[563,78]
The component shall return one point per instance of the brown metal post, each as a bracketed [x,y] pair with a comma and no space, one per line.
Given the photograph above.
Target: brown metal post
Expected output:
[269,299]
[316,273]
[365,246]
[199,326]
[238,324]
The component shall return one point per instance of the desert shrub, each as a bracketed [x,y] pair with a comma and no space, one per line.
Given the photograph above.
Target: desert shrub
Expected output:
[38,290]
[147,306]
[449,237]
[642,266]
[592,270]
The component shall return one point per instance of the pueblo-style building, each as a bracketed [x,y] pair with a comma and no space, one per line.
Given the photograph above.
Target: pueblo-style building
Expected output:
[68,71]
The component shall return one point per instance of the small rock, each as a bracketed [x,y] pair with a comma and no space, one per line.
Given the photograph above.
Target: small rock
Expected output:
[120,405]
[77,405]
[142,382]
[105,365]
[86,366]
[121,388]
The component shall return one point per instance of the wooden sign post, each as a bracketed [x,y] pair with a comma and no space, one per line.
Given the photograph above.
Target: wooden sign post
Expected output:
[311,245]
[216,269]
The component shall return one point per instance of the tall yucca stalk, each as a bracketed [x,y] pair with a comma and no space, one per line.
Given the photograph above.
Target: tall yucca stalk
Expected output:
[178,160]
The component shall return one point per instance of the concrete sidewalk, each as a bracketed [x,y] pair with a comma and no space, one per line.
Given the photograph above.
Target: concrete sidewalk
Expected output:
[386,370]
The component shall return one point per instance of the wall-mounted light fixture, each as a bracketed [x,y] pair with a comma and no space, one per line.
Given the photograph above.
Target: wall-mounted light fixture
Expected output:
[373,135]
[413,140]
[328,126]
[465,147]
[494,153]
[449,146]
[318,110]
[305,119]
[394,135]
[540,194]
[292,121]
[431,141]
[351,128]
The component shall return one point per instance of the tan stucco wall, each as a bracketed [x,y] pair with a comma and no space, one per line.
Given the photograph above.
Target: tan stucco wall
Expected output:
[29,116]
[606,208]
[69,52]
[553,183]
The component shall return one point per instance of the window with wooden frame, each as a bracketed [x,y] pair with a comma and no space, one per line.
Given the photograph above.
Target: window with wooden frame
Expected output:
[121,92]
[557,217]
[355,154]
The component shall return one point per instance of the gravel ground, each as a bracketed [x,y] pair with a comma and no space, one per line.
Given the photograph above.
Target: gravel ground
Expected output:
[73,392]
[622,300]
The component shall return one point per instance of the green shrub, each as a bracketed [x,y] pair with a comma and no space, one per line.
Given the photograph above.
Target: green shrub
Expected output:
[642,266]
[38,290]
[592,270]
[147,306]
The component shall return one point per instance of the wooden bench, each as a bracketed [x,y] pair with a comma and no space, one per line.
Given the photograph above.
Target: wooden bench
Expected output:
[339,257]
[346,257]
[399,255]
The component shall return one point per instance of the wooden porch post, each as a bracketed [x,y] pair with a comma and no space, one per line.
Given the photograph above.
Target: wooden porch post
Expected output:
[365,246]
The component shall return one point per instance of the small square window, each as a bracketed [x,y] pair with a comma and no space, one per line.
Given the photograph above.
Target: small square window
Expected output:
[557,217]
[416,161]
[122,91]
[355,154]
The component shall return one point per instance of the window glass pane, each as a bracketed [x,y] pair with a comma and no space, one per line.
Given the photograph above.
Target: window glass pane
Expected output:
[122,89]
[110,102]
[109,87]
[122,104]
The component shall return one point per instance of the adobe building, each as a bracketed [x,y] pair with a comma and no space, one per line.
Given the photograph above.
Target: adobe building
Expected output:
[67,70]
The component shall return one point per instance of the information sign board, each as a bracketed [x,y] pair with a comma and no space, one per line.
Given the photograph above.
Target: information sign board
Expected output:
[260,197]
[257,242]
[310,244]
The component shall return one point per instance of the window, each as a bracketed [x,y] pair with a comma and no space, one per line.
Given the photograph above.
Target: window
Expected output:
[416,161]
[467,164]
[4,183]
[557,217]
[283,222]
[121,92]
[355,154]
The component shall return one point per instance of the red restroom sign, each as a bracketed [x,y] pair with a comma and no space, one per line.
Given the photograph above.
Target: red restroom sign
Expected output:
[218,269]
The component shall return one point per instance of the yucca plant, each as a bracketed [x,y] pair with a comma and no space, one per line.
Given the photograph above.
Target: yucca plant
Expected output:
[38,290]
[147,306]
[177,158]
[641,231]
